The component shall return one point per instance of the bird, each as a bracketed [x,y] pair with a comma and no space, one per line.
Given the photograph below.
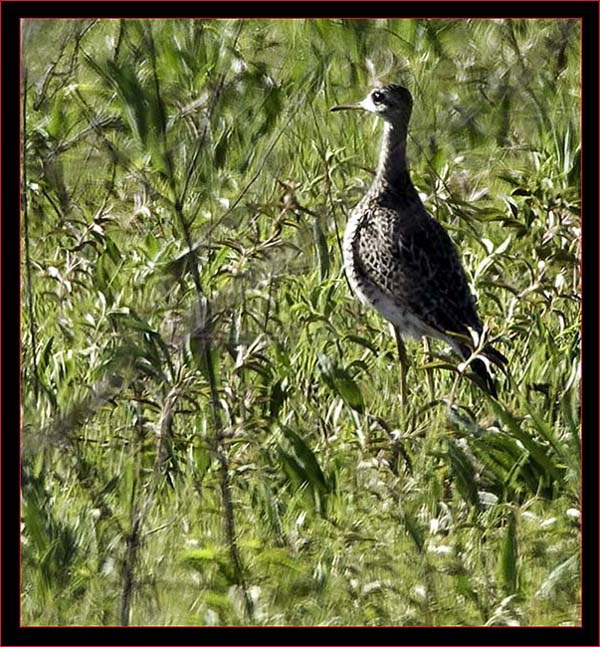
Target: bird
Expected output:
[401,261]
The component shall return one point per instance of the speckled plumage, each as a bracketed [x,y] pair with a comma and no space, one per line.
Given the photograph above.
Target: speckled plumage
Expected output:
[399,259]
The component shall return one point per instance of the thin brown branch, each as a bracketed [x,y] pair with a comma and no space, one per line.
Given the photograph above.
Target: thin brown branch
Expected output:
[29,289]
[204,302]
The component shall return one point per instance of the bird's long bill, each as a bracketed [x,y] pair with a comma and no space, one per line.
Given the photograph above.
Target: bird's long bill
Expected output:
[354,106]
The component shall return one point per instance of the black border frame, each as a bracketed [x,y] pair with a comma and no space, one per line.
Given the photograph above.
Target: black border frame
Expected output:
[11,632]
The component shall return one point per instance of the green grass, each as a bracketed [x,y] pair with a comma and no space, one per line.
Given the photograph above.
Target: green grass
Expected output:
[169,394]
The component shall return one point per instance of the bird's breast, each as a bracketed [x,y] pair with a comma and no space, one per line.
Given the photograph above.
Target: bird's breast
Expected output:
[351,265]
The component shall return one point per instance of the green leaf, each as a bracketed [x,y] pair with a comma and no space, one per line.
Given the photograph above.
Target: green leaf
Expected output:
[549,472]
[199,556]
[414,530]
[45,356]
[307,459]
[201,458]
[113,251]
[277,396]
[509,467]
[464,473]
[567,571]
[350,391]
[340,381]
[34,524]
[278,558]
[206,357]
[304,471]
[200,559]
[362,341]
[294,471]
[221,148]
[132,95]
[507,564]
[321,247]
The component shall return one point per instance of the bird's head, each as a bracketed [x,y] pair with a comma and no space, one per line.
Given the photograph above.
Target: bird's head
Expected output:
[392,102]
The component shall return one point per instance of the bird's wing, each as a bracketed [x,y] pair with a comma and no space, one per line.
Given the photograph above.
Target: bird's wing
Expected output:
[420,269]
[440,292]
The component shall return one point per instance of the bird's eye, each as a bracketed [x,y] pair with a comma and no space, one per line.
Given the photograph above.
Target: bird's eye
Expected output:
[377,96]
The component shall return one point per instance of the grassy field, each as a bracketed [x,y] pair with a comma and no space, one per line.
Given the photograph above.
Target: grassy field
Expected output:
[212,425]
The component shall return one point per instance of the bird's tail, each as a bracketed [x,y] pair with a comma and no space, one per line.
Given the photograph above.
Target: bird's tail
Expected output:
[481,367]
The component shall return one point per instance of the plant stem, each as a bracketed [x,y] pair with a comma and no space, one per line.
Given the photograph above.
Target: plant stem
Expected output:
[219,438]
[32,336]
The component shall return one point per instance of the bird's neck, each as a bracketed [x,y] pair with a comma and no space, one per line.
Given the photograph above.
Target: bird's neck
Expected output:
[392,170]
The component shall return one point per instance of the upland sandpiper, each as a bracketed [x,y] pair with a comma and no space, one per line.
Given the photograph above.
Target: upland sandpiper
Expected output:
[400,260]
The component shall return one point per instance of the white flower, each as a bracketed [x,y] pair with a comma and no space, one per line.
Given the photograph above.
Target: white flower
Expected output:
[442,549]
[420,591]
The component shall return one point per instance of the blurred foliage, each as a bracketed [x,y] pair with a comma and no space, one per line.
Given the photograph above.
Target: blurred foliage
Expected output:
[167,159]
